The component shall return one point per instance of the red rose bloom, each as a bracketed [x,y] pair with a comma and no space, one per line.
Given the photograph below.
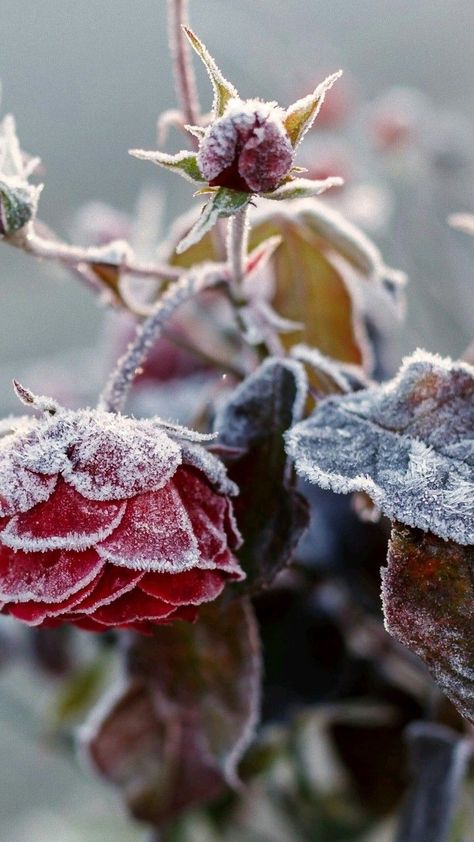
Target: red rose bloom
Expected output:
[110,522]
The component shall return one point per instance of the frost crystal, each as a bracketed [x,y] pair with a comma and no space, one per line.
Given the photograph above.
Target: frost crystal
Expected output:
[409,444]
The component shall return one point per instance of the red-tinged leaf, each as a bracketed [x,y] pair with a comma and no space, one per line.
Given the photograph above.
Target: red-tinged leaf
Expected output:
[310,288]
[428,597]
[174,737]
[109,275]
[271,515]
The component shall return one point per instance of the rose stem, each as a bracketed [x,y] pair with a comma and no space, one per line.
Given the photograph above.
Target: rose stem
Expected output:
[237,244]
[128,366]
[185,81]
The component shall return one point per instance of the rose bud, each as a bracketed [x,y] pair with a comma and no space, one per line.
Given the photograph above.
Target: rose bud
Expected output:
[110,522]
[248,149]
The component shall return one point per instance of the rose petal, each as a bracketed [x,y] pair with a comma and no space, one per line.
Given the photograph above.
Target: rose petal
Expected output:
[206,511]
[190,588]
[131,607]
[33,613]
[20,489]
[228,563]
[116,457]
[155,535]
[66,521]
[47,577]
[113,583]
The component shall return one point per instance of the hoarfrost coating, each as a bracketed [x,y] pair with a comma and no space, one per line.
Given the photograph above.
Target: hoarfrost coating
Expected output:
[409,444]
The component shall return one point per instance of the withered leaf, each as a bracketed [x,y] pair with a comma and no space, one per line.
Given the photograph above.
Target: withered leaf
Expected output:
[409,444]
[309,287]
[174,736]
[308,280]
[428,599]
[271,515]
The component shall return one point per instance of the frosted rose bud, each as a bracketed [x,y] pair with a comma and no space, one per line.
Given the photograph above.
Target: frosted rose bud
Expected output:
[109,522]
[247,149]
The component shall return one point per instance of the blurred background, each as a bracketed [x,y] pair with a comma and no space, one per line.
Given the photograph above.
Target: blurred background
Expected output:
[86,82]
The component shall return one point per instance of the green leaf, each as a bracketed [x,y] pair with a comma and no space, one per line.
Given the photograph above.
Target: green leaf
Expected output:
[174,737]
[271,515]
[184,163]
[302,188]
[224,203]
[223,90]
[301,115]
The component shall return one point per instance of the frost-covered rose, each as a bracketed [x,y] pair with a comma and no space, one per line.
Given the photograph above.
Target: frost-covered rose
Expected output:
[108,521]
[247,149]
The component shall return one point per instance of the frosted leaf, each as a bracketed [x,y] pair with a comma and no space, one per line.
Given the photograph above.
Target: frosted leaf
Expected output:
[244,419]
[223,90]
[345,377]
[301,188]
[348,240]
[184,163]
[270,513]
[18,198]
[301,115]
[428,599]
[222,204]
[208,717]
[408,444]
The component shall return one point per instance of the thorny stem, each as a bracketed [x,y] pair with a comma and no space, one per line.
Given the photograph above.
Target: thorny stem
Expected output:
[128,366]
[237,244]
[185,81]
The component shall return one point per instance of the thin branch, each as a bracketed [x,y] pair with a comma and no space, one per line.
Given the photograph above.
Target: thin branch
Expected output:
[74,255]
[185,80]
[120,381]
